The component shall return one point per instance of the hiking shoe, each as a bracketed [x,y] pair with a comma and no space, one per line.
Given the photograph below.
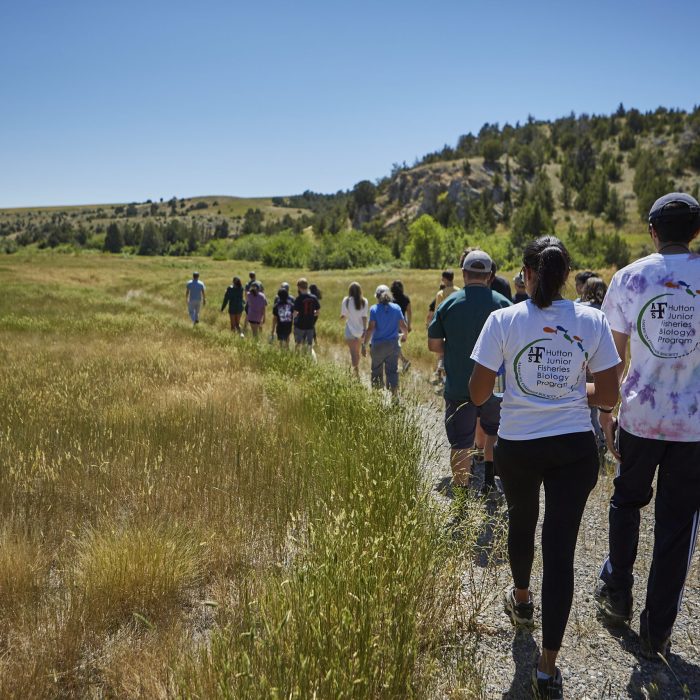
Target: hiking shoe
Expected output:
[520,614]
[651,647]
[547,688]
[615,608]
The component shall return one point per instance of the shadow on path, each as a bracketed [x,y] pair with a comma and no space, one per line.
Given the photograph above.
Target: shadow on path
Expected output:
[525,655]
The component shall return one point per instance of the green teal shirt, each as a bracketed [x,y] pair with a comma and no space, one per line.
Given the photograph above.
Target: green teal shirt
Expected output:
[459,320]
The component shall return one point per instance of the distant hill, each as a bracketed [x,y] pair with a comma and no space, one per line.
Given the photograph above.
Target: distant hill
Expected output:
[585,157]
[589,178]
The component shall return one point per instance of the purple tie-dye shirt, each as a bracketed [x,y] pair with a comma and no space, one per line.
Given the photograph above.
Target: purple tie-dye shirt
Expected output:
[656,301]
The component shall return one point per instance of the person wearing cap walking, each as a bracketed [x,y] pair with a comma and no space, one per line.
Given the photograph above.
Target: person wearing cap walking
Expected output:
[520,291]
[195,297]
[453,332]
[654,303]
[386,325]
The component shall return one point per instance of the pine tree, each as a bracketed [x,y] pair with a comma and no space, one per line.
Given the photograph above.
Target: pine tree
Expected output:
[615,211]
[114,240]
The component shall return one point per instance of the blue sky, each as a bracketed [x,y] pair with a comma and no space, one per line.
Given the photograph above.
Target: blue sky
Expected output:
[106,102]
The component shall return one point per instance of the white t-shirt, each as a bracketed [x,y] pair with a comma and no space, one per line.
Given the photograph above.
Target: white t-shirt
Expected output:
[354,316]
[546,352]
[656,301]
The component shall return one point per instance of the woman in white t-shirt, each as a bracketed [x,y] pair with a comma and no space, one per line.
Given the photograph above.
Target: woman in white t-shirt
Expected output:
[545,436]
[355,309]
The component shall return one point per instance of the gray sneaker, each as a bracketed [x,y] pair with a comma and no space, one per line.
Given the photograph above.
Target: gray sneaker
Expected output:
[520,614]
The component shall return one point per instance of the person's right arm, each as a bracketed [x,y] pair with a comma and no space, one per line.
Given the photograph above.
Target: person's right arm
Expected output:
[226,297]
[607,422]
[408,315]
[436,335]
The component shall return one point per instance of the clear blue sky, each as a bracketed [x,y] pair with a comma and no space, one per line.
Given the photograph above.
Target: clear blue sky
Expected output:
[106,101]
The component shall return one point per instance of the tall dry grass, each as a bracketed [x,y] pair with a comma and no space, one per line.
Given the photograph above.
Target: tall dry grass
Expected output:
[186,514]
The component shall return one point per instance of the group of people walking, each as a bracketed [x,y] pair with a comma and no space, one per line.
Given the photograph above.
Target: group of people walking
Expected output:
[534,378]
[559,359]
[290,314]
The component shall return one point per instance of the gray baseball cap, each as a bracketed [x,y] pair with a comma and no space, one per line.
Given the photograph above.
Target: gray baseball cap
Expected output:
[477,261]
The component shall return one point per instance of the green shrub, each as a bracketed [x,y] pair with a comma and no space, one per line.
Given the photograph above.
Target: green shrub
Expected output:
[287,250]
[348,249]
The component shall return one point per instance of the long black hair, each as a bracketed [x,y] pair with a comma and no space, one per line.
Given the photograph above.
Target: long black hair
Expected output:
[549,259]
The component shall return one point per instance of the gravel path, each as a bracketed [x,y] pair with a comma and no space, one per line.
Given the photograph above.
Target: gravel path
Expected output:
[594,662]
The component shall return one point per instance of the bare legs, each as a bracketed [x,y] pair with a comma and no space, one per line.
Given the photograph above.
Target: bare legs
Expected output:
[354,347]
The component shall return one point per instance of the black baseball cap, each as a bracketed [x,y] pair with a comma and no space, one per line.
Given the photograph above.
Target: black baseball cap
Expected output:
[683,203]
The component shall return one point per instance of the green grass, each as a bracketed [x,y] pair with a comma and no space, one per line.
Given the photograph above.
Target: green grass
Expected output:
[188,514]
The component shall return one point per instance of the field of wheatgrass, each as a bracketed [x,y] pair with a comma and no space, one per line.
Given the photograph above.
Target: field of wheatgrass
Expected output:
[186,514]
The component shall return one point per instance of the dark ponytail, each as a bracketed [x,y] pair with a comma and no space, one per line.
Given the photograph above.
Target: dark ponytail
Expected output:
[549,260]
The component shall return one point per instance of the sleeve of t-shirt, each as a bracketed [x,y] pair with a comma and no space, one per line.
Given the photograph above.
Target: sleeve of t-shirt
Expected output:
[436,329]
[373,314]
[275,310]
[488,350]
[317,304]
[365,309]
[297,305]
[613,308]
[605,355]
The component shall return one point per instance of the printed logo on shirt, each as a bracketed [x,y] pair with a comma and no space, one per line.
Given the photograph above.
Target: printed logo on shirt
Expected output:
[553,366]
[667,323]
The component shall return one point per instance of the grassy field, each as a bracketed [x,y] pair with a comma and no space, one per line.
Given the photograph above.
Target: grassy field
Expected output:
[185,514]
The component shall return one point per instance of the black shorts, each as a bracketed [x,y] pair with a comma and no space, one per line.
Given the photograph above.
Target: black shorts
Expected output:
[284,330]
[460,421]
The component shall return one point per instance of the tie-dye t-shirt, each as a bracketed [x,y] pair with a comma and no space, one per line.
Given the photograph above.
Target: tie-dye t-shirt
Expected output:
[656,301]
[546,353]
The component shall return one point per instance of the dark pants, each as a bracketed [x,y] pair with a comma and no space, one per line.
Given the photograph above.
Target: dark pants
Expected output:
[568,467]
[675,530]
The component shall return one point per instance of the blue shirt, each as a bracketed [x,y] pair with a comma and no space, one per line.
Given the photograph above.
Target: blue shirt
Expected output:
[196,288]
[386,318]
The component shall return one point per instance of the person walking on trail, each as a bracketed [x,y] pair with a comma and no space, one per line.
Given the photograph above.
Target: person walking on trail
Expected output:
[655,304]
[354,309]
[282,314]
[580,282]
[306,311]
[313,289]
[447,288]
[500,284]
[404,303]
[255,308]
[233,298]
[520,291]
[252,279]
[195,297]
[545,436]
[386,325]
[593,294]
[453,333]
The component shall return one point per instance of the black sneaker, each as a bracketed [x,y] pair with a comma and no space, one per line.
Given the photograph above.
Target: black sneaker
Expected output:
[520,614]
[547,688]
[651,647]
[615,608]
